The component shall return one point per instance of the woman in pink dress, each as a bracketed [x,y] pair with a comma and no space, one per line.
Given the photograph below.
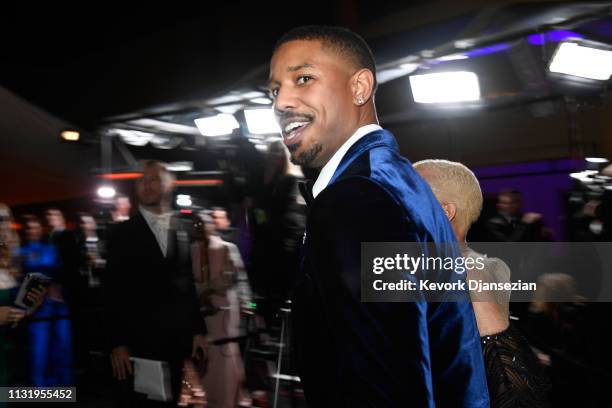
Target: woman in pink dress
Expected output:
[220,278]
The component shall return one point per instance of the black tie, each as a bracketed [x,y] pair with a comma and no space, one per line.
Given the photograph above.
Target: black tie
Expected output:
[306,191]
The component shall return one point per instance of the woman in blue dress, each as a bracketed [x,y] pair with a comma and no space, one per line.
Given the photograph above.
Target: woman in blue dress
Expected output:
[50,336]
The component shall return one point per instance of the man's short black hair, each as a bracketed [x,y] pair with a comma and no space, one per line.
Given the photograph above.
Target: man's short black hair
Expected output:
[340,39]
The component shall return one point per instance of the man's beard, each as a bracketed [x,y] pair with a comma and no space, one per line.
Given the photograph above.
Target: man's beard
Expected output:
[150,201]
[306,157]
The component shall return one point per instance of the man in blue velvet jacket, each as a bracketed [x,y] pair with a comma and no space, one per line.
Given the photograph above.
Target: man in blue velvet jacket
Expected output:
[351,353]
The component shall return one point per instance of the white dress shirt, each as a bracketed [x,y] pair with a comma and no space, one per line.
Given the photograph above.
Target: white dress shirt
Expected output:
[327,172]
[159,224]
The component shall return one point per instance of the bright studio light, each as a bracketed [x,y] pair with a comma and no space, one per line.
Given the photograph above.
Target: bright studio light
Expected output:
[596,160]
[261,121]
[183,200]
[585,62]
[445,87]
[106,192]
[70,135]
[180,166]
[262,101]
[218,125]
[133,137]
[584,176]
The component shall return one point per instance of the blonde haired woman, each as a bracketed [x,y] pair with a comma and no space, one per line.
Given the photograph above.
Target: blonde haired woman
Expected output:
[514,377]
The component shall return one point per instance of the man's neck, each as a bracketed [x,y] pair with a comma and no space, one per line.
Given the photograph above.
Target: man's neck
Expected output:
[365,116]
[362,123]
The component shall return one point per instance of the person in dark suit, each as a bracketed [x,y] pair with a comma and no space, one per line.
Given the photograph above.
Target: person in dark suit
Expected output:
[349,352]
[278,223]
[510,224]
[151,304]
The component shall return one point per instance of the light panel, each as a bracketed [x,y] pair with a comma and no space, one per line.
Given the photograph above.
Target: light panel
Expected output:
[180,166]
[70,135]
[106,192]
[585,62]
[133,137]
[218,125]
[597,160]
[445,87]
[261,121]
[183,200]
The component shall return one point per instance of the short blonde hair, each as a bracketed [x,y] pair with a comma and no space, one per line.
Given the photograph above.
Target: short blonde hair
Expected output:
[452,182]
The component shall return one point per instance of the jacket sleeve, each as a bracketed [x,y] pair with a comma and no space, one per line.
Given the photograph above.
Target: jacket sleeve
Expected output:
[116,286]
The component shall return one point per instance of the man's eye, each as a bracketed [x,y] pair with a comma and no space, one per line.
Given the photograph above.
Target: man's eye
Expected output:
[273,93]
[303,79]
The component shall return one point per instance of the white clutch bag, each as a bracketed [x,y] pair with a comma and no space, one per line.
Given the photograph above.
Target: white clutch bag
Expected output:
[152,377]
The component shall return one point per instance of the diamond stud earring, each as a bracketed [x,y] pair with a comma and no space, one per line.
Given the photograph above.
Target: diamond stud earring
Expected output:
[360,100]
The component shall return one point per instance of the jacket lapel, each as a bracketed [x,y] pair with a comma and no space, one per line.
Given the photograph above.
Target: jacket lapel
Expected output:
[148,237]
[368,142]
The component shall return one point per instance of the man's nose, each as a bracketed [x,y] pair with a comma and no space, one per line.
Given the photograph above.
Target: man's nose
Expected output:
[286,99]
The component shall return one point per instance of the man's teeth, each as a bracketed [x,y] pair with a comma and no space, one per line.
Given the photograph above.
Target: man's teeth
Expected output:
[294,125]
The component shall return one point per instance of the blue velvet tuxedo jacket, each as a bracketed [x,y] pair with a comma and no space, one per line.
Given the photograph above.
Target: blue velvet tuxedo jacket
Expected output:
[354,354]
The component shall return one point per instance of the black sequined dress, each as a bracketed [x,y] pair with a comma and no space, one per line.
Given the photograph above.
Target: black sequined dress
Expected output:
[515,377]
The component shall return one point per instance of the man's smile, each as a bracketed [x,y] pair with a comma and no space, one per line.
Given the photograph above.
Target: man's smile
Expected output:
[293,127]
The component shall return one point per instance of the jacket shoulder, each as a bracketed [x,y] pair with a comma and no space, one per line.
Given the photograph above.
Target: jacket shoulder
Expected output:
[357,207]
[353,190]
[122,231]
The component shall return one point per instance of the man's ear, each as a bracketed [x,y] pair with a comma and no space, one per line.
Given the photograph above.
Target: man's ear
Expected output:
[362,86]
[450,209]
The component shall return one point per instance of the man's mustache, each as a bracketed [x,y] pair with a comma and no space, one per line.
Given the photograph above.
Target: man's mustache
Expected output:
[286,116]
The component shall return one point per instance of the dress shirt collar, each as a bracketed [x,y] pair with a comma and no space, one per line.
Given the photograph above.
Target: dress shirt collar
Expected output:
[159,225]
[150,216]
[327,172]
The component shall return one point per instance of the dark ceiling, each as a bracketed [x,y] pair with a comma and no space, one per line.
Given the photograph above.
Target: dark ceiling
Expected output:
[83,64]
